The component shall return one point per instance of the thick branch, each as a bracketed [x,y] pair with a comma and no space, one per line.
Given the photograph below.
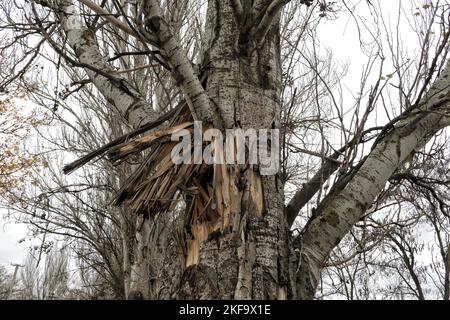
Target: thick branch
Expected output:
[238,10]
[263,26]
[341,212]
[266,22]
[120,93]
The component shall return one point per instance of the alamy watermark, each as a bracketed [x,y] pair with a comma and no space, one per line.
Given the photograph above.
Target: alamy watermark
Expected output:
[257,147]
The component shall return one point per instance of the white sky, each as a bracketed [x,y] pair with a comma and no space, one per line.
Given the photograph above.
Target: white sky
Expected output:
[11,251]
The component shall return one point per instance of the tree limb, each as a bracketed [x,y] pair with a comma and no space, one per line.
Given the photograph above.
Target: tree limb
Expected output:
[262,26]
[266,22]
[114,21]
[120,92]
[181,68]
[238,10]
[69,168]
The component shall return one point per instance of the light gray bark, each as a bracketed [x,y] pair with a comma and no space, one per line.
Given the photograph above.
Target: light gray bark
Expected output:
[181,68]
[114,88]
[347,207]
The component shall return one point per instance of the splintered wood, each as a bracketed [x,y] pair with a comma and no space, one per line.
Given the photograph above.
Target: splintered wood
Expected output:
[140,144]
[215,194]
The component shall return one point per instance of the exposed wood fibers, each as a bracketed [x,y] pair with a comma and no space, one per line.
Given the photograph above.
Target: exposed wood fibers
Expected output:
[212,192]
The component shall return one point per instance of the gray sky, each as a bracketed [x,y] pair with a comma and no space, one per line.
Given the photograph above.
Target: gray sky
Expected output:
[11,251]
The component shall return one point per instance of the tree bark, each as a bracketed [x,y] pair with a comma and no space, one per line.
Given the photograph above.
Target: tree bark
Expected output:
[243,254]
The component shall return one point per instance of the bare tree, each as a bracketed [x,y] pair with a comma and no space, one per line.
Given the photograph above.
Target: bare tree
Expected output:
[44,281]
[136,72]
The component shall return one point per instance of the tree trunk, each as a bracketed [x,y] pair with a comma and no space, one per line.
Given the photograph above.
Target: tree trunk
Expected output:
[241,253]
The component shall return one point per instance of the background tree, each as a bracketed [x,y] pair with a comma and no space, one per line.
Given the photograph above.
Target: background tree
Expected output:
[5,282]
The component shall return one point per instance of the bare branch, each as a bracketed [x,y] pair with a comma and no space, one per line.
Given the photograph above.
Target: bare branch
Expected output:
[114,21]
[122,94]
[69,168]
[309,189]
[263,26]
[181,68]
[266,22]
[338,215]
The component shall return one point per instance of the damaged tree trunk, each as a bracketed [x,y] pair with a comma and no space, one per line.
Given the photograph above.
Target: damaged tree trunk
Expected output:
[240,251]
